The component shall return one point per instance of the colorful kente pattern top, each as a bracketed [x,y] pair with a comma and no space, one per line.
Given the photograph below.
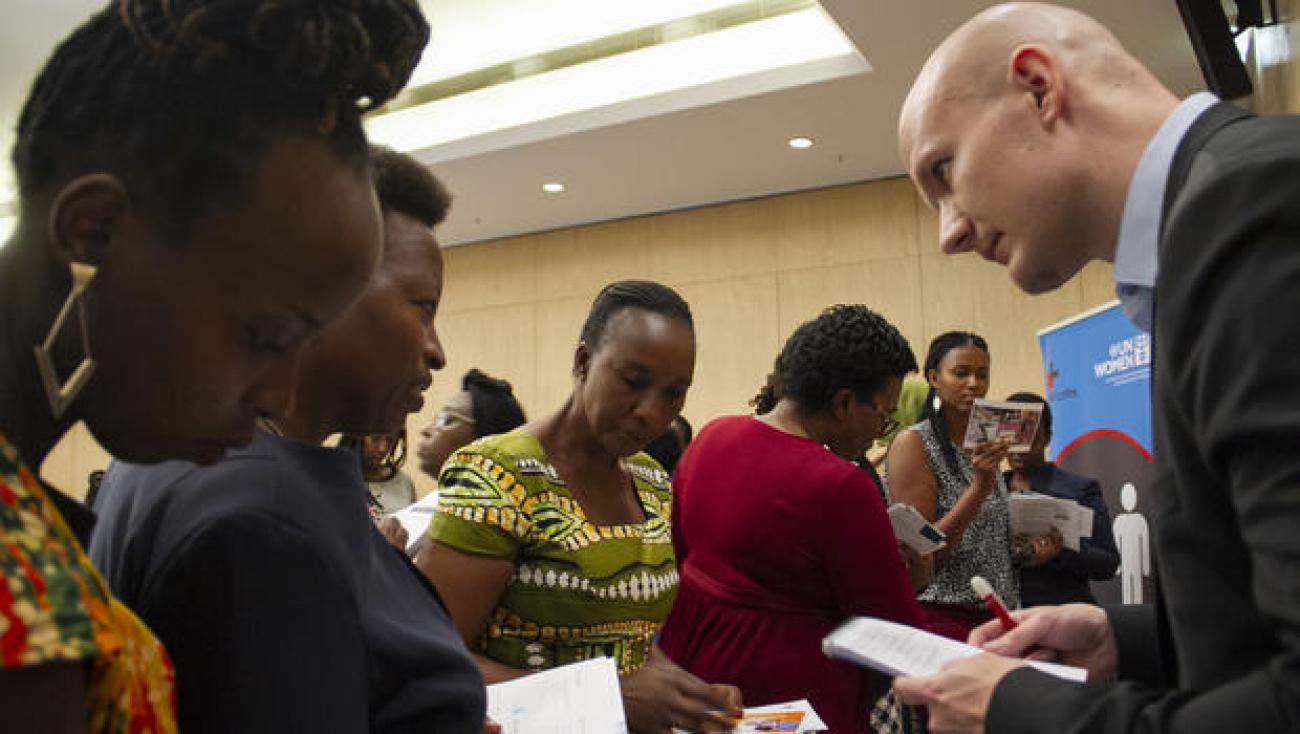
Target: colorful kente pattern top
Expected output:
[55,607]
[579,590]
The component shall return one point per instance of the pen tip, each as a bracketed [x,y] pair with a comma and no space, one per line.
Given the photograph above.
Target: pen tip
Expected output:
[981,586]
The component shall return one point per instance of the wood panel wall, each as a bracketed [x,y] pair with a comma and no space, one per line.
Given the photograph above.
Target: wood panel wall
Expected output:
[752,271]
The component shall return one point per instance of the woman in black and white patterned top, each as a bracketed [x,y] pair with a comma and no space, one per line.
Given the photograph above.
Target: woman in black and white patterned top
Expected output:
[961,492]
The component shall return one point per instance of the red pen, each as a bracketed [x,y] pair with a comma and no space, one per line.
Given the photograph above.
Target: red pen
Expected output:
[985,590]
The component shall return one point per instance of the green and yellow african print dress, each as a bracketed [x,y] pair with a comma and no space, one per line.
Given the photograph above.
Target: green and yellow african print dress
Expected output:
[579,590]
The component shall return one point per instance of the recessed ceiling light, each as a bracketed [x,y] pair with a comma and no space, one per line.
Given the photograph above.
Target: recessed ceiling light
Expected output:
[553,187]
[800,143]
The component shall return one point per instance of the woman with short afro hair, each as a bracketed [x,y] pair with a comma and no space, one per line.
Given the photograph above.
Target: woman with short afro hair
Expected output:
[780,537]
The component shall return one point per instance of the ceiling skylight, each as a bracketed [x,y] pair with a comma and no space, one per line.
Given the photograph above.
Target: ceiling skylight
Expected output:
[742,58]
[475,34]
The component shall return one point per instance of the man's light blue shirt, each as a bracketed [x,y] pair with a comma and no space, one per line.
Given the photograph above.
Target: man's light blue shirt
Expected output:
[1136,254]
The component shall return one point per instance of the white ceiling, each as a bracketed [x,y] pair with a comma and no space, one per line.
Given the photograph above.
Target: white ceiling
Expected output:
[717,152]
[30,31]
[737,149]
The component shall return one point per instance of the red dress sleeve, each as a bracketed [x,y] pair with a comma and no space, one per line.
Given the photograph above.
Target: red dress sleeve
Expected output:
[862,555]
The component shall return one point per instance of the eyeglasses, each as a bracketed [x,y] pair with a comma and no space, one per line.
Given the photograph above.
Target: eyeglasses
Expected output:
[447,416]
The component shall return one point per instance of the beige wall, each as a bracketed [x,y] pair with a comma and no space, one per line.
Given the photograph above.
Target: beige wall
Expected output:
[752,271]
[1274,69]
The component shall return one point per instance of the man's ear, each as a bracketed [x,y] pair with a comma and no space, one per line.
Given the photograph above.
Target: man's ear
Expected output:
[1035,72]
[85,215]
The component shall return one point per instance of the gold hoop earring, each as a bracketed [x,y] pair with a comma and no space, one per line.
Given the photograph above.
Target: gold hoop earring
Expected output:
[61,396]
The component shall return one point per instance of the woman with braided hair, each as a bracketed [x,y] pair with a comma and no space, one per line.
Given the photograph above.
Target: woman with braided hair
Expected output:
[194,206]
[780,537]
[960,491]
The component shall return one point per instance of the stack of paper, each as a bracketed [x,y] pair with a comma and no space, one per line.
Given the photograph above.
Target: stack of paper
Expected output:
[582,698]
[896,649]
[1034,514]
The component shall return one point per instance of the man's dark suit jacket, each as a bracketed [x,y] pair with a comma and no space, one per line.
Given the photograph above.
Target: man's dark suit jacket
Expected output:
[1220,651]
[1064,579]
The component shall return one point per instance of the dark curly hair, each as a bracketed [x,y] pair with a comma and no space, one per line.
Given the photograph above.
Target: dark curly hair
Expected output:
[667,448]
[181,98]
[643,294]
[405,185]
[493,403]
[846,346]
[939,348]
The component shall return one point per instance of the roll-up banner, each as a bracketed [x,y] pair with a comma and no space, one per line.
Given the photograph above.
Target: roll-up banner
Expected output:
[1098,381]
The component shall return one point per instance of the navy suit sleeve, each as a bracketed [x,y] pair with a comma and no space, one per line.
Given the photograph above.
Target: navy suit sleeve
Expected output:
[1232,360]
[1097,557]
[261,630]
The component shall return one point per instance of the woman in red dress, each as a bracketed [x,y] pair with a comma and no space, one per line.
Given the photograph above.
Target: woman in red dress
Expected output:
[780,537]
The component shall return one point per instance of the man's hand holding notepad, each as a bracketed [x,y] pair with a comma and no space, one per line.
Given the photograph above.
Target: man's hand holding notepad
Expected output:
[899,650]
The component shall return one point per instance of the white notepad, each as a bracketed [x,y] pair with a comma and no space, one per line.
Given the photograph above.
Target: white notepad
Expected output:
[896,649]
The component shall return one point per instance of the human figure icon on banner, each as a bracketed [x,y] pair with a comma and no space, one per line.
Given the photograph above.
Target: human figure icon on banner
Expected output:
[1133,536]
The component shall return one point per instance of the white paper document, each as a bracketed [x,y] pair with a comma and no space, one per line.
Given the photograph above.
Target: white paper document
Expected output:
[582,698]
[1034,514]
[911,528]
[896,649]
[416,518]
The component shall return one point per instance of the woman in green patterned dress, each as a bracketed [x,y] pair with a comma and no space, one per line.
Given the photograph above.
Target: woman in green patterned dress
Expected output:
[552,542]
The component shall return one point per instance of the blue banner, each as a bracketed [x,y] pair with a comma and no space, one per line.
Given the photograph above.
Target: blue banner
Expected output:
[1098,378]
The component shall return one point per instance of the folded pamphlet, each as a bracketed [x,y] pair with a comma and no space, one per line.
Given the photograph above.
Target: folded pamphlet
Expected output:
[994,421]
[792,716]
[912,529]
[1034,514]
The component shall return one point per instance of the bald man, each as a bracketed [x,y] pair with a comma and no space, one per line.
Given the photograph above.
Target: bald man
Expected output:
[1044,145]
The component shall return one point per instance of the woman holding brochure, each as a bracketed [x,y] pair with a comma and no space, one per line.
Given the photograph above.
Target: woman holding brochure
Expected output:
[961,492]
[780,537]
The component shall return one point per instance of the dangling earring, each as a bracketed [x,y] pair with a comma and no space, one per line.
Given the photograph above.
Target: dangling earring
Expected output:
[937,403]
[61,396]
